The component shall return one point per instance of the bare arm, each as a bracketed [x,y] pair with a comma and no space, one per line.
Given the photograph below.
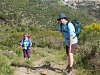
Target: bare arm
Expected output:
[70,42]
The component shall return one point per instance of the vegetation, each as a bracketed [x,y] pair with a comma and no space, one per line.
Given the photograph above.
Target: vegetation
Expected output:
[92,8]
[38,18]
[5,68]
[89,47]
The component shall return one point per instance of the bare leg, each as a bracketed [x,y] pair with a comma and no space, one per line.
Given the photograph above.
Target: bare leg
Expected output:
[71,60]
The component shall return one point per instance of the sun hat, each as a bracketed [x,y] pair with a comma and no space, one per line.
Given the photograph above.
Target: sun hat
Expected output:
[61,15]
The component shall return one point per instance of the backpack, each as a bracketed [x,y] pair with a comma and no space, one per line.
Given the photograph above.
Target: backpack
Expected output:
[27,41]
[77,27]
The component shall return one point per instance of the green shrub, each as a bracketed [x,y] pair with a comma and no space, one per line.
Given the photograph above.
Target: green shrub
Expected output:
[5,68]
[87,52]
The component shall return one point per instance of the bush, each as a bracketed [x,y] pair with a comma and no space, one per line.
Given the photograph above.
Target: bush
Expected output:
[89,46]
[5,68]
[94,28]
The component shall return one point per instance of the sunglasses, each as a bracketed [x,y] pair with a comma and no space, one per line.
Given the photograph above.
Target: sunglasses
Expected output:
[59,19]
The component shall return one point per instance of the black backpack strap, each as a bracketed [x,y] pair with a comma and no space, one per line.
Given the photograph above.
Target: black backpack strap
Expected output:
[29,41]
[23,42]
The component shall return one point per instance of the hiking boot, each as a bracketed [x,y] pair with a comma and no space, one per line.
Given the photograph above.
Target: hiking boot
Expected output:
[69,72]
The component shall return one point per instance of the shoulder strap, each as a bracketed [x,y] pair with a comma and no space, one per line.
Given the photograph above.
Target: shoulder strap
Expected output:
[67,24]
[29,40]
[23,40]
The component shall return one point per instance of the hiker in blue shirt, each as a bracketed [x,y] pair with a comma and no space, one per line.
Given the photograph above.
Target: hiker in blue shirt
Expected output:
[26,43]
[68,31]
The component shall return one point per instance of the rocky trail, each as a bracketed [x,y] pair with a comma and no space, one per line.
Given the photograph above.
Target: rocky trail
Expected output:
[41,67]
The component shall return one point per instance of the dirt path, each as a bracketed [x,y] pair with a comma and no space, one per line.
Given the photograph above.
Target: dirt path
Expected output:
[24,71]
[41,67]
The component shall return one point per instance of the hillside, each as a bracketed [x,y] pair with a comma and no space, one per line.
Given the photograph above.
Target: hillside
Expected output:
[91,7]
[38,13]
[39,19]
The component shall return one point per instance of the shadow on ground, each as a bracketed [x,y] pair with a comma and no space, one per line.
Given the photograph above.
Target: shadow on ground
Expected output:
[47,66]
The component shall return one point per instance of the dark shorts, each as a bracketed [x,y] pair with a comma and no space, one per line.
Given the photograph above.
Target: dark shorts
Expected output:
[72,48]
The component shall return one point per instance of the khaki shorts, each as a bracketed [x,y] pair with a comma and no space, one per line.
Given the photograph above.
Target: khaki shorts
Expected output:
[72,48]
